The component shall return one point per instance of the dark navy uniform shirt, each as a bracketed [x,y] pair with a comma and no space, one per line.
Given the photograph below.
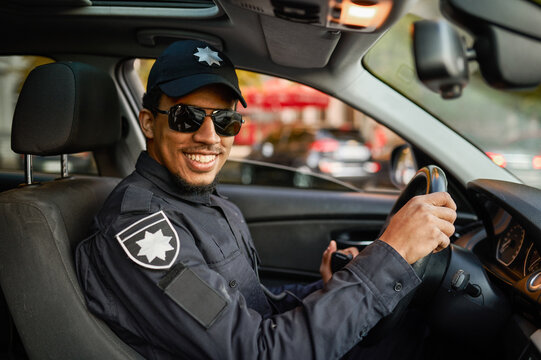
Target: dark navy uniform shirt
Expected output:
[175,276]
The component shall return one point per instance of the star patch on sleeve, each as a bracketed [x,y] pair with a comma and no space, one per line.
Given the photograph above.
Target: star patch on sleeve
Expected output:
[151,242]
[208,56]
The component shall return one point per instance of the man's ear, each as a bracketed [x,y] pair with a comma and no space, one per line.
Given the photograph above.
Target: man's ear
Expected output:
[147,123]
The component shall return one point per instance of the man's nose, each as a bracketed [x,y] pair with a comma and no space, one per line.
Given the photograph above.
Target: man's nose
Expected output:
[207,133]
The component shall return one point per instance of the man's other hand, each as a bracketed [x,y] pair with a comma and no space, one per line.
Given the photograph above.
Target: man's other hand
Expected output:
[422,226]
[325,267]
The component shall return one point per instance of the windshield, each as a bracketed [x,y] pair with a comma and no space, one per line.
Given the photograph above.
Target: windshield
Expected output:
[505,125]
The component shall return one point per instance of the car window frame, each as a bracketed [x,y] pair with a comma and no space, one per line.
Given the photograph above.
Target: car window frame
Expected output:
[133,90]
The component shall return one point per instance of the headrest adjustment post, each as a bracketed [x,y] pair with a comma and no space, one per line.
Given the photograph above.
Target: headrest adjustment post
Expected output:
[64,166]
[28,170]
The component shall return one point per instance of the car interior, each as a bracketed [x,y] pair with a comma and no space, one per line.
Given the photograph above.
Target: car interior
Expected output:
[44,221]
[482,294]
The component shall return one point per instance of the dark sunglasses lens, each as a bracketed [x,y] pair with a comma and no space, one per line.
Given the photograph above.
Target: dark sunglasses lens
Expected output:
[232,129]
[185,119]
[227,122]
[188,119]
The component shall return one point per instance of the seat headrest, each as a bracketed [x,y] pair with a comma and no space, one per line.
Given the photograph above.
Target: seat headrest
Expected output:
[63,108]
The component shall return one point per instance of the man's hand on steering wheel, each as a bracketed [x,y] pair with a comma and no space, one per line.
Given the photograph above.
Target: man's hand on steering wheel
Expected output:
[422,226]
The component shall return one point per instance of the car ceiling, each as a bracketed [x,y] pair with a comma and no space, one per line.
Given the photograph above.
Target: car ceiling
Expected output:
[252,40]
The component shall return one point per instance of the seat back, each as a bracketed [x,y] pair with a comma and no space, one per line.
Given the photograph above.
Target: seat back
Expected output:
[63,108]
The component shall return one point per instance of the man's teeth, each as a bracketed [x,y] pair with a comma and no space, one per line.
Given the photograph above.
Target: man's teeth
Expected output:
[201,158]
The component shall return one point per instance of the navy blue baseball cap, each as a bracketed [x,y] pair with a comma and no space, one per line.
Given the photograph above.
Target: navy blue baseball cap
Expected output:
[187,65]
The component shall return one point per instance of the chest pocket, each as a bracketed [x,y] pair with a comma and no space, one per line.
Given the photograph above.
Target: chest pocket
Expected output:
[241,277]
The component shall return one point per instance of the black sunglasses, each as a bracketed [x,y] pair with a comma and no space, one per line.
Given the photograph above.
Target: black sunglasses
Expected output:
[189,118]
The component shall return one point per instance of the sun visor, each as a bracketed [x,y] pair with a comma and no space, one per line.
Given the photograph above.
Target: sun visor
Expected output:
[312,46]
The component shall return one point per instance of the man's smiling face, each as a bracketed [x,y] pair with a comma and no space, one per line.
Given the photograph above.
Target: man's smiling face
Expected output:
[197,157]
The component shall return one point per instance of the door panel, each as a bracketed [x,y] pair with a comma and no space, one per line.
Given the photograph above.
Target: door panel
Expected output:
[297,245]
[292,227]
[265,203]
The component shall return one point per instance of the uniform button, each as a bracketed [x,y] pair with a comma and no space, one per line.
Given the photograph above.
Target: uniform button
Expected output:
[397,286]
[233,283]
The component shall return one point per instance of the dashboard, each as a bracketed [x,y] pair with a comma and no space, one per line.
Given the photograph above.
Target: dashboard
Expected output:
[507,250]
[515,249]
[510,250]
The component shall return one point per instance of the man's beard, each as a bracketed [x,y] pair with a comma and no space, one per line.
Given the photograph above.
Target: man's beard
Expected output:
[188,188]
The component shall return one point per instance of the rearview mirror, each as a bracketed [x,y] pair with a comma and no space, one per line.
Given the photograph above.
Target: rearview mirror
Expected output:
[441,60]
[507,39]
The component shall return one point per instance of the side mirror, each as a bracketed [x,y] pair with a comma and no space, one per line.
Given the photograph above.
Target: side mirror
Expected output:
[441,60]
[403,166]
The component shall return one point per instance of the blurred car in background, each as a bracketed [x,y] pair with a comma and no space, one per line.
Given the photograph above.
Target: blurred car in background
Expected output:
[522,157]
[339,153]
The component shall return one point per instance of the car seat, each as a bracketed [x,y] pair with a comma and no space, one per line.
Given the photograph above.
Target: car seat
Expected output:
[64,107]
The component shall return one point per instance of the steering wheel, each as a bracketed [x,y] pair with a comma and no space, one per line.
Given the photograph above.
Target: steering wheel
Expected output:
[427,180]
[431,268]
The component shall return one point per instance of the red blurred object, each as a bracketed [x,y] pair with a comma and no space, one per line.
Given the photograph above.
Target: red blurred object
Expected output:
[325,145]
[498,159]
[325,167]
[277,94]
[246,136]
[373,167]
[536,162]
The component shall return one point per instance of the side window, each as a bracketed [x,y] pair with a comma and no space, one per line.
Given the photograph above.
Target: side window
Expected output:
[295,136]
[13,73]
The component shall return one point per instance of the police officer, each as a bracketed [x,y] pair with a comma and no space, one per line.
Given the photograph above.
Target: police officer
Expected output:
[172,268]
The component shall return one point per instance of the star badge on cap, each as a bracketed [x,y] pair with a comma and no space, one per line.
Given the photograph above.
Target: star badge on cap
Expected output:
[208,56]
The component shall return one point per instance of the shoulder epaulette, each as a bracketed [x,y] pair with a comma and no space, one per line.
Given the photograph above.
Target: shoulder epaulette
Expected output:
[136,199]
